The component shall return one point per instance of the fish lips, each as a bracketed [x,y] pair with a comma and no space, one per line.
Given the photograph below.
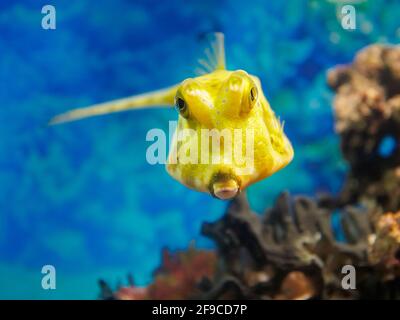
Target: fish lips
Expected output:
[224,186]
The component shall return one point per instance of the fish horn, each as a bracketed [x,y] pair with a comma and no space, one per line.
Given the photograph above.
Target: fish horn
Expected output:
[164,97]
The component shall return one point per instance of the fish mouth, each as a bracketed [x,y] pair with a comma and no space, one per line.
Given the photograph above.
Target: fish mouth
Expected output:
[224,186]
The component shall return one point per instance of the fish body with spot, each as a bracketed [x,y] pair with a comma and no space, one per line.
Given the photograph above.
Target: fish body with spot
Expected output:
[227,135]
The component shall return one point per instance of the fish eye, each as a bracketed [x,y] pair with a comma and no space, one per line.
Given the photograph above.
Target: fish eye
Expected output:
[181,106]
[253,94]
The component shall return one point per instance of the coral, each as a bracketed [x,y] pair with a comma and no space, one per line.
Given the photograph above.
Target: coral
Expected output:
[177,278]
[367,111]
[296,286]
[385,243]
[290,252]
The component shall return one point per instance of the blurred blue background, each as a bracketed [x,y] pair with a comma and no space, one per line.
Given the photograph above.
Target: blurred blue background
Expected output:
[81,196]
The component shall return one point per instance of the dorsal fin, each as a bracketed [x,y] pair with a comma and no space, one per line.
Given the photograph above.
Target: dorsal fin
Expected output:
[214,55]
[164,97]
[219,51]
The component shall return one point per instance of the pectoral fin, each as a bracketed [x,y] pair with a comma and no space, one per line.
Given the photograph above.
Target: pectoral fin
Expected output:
[164,97]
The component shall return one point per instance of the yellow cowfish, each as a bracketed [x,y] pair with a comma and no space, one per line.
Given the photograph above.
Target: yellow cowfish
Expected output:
[222,115]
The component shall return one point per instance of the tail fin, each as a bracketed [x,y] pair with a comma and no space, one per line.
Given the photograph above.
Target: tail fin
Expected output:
[164,97]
